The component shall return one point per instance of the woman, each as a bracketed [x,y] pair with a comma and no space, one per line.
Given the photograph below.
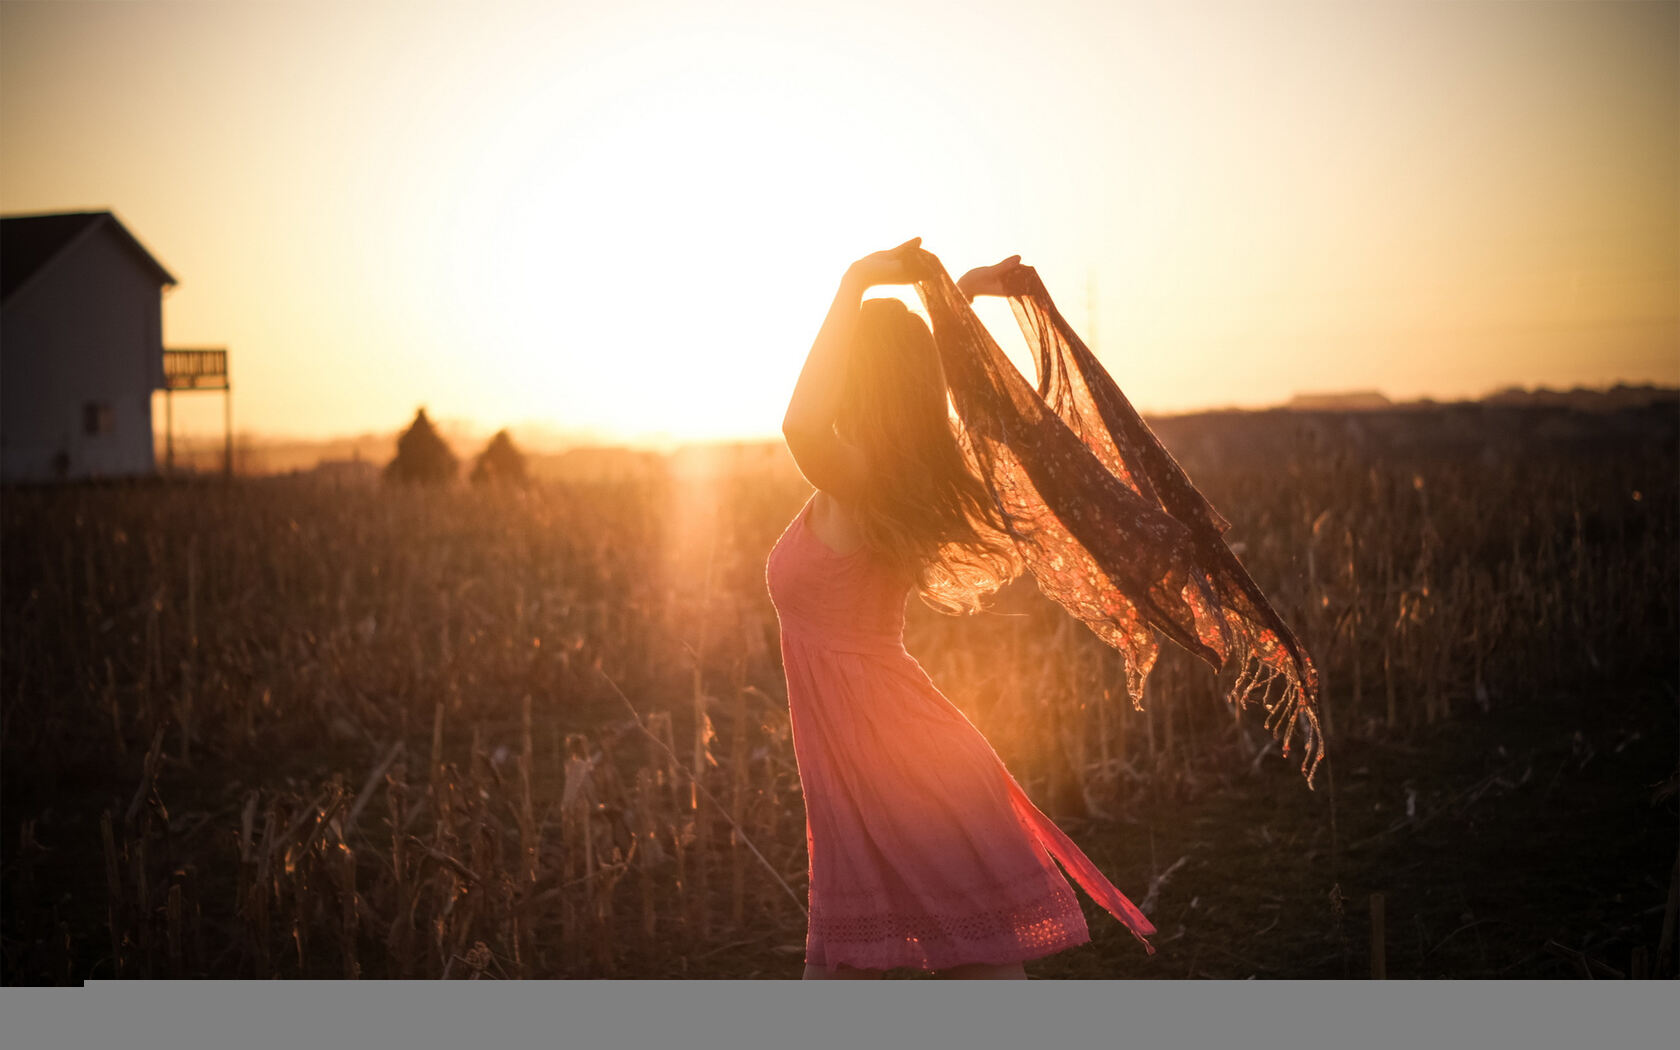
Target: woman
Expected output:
[924,851]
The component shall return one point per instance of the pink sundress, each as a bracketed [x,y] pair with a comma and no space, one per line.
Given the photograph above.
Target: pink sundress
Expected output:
[924,852]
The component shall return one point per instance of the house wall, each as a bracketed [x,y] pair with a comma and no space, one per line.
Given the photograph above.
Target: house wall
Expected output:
[87,328]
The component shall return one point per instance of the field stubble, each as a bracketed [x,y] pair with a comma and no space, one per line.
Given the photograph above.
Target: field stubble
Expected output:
[278,728]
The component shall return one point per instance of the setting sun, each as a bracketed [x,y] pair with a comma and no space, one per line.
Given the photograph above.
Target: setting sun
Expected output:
[679,240]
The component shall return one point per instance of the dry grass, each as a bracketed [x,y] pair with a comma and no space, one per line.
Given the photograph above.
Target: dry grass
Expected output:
[281,729]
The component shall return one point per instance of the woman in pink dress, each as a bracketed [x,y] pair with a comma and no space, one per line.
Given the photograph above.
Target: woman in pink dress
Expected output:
[924,852]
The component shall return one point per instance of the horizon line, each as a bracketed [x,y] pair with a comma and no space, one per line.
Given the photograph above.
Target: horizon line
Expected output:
[568,437]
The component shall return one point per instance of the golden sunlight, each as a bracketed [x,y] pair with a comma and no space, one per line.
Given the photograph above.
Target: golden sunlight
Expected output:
[681,238]
[627,222]
[497,598]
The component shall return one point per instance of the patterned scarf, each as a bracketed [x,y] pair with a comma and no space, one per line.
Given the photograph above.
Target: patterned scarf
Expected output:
[1104,518]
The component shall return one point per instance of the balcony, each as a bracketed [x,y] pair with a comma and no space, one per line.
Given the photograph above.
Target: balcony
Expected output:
[195,370]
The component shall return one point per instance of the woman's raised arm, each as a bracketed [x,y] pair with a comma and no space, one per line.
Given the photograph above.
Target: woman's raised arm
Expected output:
[827,462]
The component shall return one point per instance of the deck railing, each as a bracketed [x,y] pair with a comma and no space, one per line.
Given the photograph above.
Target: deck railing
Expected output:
[195,370]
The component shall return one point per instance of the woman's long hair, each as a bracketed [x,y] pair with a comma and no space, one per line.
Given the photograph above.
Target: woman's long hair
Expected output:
[926,511]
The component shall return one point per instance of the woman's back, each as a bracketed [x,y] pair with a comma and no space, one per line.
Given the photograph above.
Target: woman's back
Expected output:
[846,601]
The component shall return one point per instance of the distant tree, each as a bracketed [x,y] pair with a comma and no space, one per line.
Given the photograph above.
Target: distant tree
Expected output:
[422,455]
[500,463]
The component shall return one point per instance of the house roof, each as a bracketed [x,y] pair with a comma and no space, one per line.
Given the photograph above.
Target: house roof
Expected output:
[29,243]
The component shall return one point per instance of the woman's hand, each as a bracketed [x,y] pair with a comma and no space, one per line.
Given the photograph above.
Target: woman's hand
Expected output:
[894,266]
[989,280]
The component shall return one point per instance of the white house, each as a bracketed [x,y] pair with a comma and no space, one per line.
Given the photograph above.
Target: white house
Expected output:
[81,347]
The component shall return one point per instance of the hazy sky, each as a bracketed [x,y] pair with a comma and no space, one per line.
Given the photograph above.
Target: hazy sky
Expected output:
[631,216]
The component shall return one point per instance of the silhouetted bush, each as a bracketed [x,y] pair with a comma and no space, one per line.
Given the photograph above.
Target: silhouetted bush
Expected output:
[422,455]
[500,463]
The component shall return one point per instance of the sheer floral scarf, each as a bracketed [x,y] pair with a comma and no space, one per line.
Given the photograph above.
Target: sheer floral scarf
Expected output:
[1104,518]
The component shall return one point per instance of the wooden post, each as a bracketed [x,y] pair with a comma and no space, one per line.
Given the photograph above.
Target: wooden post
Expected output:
[1379,935]
[227,429]
[168,431]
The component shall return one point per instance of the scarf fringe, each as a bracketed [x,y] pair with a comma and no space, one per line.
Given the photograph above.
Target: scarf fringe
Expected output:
[1103,515]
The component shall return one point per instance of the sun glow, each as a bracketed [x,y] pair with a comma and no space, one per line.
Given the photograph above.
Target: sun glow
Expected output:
[672,251]
[626,221]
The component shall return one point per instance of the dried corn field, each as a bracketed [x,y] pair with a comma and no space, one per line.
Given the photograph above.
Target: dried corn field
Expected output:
[284,729]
